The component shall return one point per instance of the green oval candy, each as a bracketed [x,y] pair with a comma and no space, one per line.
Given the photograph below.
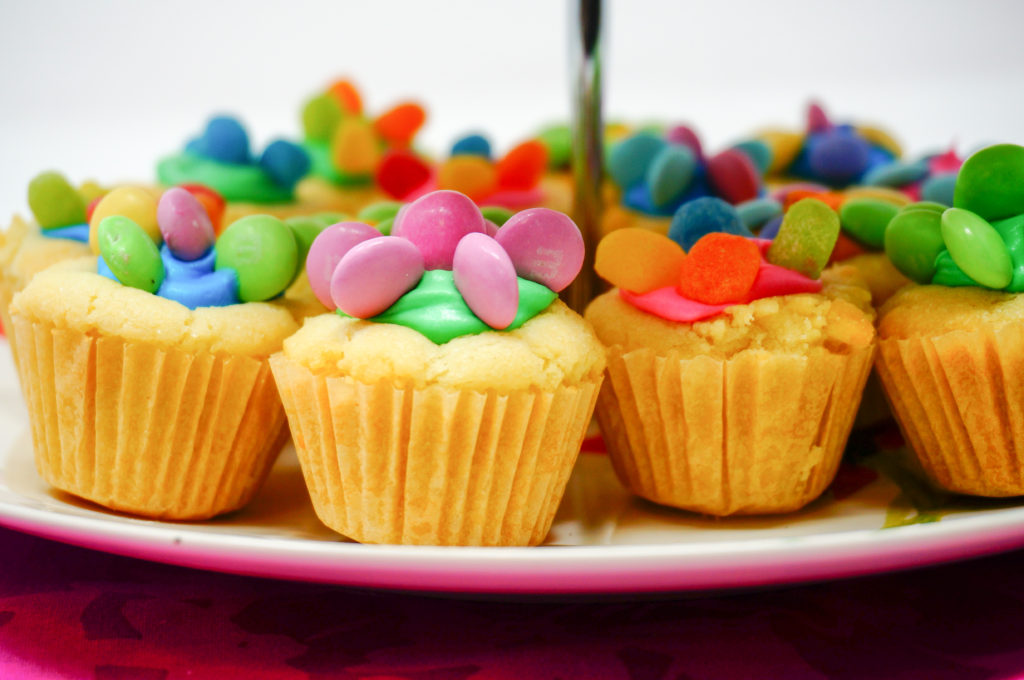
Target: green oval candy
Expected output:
[130,253]
[1012,231]
[54,202]
[305,229]
[865,219]
[977,248]
[378,212]
[263,252]
[320,117]
[558,141]
[385,225]
[925,205]
[913,240]
[806,237]
[991,182]
[496,214]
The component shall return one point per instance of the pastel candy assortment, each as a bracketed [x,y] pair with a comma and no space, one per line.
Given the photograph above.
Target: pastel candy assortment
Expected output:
[54,202]
[326,251]
[373,274]
[130,253]
[806,238]
[719,269]
[638,260]
[135,203]
[486,278]
[262,251]
[976,247]
[435,224]
[545,246]
[991,182]
[702,216]
[184,224]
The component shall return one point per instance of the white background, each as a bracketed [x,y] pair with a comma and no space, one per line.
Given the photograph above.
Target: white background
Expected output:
[102,89]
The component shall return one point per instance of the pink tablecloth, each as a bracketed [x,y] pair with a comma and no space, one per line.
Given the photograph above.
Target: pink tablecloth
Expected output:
[67,612]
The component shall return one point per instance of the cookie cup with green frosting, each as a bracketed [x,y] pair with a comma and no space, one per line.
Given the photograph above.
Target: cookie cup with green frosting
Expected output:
[466,442]
[141,405]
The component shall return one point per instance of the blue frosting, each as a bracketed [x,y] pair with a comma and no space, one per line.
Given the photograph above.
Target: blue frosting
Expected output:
[74,232]
[193,284]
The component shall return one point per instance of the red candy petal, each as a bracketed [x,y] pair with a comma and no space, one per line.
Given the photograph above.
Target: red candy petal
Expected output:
[523,166]
[734,176]
[401,173]
[720,268]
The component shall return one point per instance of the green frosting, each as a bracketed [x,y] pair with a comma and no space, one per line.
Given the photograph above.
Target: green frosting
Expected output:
[232,181]
[947,273]
[436,309]
[323,166]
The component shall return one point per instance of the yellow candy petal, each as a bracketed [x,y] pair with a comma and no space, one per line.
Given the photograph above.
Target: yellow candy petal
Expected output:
[90,190]
[354,147]
[474,176]
[785,145]
[880,138]
[135,203]
[638,260]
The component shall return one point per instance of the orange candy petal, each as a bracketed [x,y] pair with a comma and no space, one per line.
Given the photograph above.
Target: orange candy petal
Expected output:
[474,176]
[523,166]
[399,125]
[347,95]
[719,269]
[212,202]
[638,260]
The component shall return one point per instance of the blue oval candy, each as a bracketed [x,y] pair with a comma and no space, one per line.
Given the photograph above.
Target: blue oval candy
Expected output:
[669,174]
[224,140]
[285,163]
[939,188]
[630,158]
[896,174]
[472,145]
[838,156]
[704,216]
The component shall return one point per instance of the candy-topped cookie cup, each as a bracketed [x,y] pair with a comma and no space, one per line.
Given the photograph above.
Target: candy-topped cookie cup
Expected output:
[422,422]
[732,382]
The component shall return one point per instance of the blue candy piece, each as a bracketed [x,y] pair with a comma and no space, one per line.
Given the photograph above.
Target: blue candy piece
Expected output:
[837,156]
[72,232]
[704,216]
[224,140]
[638,197]
[472,145]
[757,211]
[196,283]
[896,174]
[285,163]
[669,174]
[630,158]
[758,152]
[771,228]
[938,188]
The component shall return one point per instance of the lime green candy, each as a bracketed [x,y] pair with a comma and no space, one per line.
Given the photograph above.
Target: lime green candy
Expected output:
[264,254]
[497,214]
[54,202]
[913,240]
[558,141]
[130,253]
[991,182]
[977,248]
[865,219]
[925,205]
[320,117]
[806,237]
[378,212]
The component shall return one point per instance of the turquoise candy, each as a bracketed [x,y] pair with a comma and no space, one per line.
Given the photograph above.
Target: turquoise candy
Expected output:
[1012,231]
[130,253]
[895,174]
[630,158]
[948,274]
[263,252]
[472,145]
[54,202]
[496,214]
[925,205]
[991,182]
[377,212]
[806,238]
[758,152]
[320,117]
[757,211]
[913,240]
[865,219]
[977,248]
[939,188]
[703,216]
[669,174]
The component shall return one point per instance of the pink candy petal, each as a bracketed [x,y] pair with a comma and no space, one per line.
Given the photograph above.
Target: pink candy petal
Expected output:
[326,251]
[945,163]
[490,228]
[374,274]
[817,121]
[436,223]
[486,277]
[545,246]
[682,135]
[184,224]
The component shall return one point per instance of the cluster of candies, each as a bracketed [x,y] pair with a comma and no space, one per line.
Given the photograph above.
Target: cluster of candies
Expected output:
[657,174]
[977,242]
[356,269]
[168,246]
[835,155]
[349,148]
[225,140]
[471,169]
[930,178]
[61,210]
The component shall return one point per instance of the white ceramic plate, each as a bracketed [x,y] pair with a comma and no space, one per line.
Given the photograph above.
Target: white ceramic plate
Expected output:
[603,540]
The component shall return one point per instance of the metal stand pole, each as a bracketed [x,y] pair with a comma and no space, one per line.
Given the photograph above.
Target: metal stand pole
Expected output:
[585,29]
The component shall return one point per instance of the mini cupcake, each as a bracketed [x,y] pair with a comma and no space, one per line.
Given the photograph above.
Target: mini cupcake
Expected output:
[950,351]
[735,369]
[145,370]
[446,401]
[221,159]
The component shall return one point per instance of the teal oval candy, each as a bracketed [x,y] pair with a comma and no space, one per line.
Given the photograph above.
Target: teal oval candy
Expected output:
[758,152]
[757,211]
[865,219]
[991,182]
[669,174]
[925,205]
[130,253]
[939,188]
[895,174]
[54,202]
[1012,232]
[913,239]
[806,237]
[377,212]
[630,158]
[977,248]
[263,252]
[496,214]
